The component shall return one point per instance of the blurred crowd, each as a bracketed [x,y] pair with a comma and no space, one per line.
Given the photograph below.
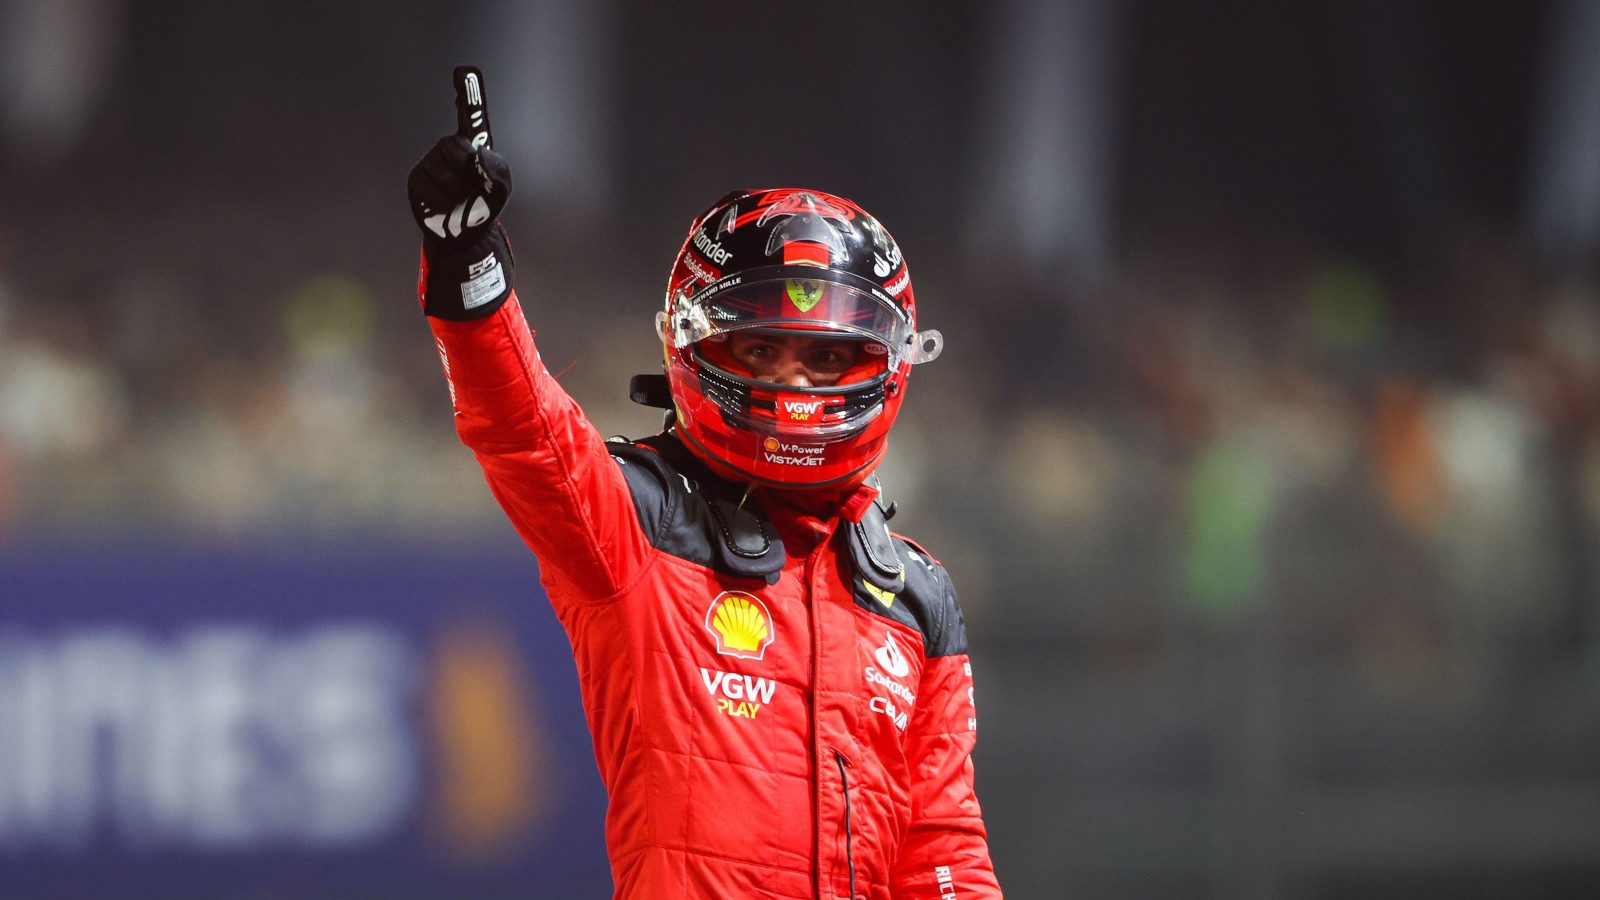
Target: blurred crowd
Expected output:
[1246,518]
[1171,446]
[1259,430]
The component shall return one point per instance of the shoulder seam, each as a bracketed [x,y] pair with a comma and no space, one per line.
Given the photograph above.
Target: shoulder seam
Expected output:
[917,547]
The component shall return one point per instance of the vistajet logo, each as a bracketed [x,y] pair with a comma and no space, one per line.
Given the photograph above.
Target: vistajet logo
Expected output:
[781,459]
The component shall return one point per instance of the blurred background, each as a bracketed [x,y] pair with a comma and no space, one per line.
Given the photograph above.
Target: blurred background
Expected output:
[1265,450]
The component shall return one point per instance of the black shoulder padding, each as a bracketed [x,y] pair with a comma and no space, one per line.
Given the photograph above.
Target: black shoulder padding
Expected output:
[746,535]
[926,601]
[872,551]
[688,512]
[695,516]
[951,638]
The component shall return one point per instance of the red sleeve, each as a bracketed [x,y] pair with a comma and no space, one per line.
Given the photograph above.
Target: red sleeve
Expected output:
[545,463]
[946,853]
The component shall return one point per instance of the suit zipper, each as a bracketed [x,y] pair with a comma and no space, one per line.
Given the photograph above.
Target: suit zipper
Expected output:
[849,849]
[816,761]
[811,705]
[816,810]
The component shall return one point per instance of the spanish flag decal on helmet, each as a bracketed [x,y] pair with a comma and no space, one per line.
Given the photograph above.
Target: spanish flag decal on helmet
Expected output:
[740,624]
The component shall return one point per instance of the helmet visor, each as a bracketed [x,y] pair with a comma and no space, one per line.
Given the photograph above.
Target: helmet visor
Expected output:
[799,299]
[768,356]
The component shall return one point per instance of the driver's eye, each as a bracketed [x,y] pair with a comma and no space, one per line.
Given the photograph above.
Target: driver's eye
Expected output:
[831,359]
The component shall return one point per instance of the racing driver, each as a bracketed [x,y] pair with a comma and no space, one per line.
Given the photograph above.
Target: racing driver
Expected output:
[778,688]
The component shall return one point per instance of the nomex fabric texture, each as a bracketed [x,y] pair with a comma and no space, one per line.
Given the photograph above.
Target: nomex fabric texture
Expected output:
[801,735]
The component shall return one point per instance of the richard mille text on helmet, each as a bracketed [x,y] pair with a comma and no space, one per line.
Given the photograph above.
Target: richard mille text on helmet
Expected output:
[778,687]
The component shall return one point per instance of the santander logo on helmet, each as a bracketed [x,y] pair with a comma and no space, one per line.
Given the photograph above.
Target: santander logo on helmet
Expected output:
[790,263]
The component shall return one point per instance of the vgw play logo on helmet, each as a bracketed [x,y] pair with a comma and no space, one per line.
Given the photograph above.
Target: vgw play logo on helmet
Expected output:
[800,408]
[741,625]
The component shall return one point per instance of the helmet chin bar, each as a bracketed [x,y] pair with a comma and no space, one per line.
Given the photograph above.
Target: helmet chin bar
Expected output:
[737,471]
[735,397]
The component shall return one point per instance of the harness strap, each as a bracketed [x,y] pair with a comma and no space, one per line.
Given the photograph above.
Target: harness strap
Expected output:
[872,549]
[744,542]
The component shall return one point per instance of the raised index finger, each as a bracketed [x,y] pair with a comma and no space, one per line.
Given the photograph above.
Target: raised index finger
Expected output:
[472,106]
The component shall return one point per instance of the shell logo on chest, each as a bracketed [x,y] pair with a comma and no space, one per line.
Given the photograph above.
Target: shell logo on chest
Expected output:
[741,625]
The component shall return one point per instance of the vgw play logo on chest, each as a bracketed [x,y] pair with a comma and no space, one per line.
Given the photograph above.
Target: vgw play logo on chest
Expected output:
[742,627]
[740,696]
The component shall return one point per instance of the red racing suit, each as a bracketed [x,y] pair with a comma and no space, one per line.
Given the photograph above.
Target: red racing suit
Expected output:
[781,702]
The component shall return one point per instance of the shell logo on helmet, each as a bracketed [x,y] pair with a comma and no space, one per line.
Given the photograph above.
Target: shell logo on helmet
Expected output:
[741,625]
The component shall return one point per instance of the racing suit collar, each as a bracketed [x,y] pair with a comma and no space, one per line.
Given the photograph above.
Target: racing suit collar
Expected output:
[823,503]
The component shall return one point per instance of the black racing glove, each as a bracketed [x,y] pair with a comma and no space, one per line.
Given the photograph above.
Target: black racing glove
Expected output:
[457,191]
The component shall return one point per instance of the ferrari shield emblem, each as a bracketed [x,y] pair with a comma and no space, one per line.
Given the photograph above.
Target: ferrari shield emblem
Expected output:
[803,294]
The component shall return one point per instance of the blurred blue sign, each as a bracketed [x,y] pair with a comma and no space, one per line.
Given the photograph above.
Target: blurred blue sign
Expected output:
[379,721]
